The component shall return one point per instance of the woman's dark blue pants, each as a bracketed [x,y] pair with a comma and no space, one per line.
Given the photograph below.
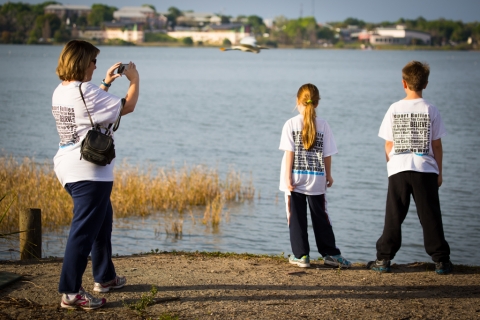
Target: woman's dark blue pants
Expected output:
[90,233]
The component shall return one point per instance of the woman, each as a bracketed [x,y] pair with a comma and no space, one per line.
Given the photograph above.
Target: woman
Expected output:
[88,184]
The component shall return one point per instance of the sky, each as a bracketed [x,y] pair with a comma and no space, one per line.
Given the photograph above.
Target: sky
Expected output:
[324,10]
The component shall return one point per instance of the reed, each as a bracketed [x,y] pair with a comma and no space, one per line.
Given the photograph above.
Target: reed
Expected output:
[137,191]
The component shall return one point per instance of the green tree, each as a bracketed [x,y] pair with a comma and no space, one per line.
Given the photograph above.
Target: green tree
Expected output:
[150,6]
[354,22]
[99,14]
[61,35]
[257,25]
[173,14]
[45,26]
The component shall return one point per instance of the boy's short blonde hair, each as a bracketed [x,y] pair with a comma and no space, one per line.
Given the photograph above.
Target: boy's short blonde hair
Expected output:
[416,74]
[74,60]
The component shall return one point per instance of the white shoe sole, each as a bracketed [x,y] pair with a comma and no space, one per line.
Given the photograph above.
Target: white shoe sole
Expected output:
[301,265]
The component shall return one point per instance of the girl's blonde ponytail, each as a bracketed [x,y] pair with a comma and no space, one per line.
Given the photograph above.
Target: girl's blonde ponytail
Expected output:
[309,96]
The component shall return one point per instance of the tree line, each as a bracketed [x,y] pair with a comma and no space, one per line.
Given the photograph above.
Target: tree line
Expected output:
[24,23]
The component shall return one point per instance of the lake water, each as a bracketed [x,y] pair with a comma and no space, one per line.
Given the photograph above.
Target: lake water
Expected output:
[227,109]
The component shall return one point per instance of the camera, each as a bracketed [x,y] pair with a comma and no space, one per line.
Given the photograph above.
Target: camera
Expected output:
[121,69]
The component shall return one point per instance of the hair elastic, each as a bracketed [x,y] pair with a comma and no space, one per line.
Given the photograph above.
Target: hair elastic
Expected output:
[309,101]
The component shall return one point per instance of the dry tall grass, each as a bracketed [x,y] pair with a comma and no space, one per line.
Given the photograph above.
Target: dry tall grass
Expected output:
[136,191]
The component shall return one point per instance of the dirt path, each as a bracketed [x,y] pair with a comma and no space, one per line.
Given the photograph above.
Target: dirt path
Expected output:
[206,286]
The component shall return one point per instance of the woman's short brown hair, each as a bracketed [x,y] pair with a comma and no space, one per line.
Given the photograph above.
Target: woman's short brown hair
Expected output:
[416,74]
[74,60]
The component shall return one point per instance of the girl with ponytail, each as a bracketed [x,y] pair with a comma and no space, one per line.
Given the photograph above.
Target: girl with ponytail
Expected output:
[306,173]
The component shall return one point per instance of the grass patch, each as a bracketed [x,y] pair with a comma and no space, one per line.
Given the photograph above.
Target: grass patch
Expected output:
[136,192]
[146,300]
[216,254]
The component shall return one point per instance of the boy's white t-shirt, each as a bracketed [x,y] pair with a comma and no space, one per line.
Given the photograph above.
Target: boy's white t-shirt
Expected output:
[73,124]
[412,125]
[308,173]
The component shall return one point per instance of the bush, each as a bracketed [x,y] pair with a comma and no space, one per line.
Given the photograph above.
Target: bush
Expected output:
[226,42]
[158,37]
[271,43]
[187,41]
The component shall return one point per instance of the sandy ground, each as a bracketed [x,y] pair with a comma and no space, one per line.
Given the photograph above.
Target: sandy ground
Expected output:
[209,286]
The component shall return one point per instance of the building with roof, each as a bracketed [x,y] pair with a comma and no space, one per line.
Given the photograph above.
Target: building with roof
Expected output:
[143,14]
[214,34]
[126,31]
[64,11]
[399,35]
[198,19]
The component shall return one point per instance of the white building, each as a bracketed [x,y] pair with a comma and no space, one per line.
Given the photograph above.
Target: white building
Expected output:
[399,35]
[199,19]
[67,10]
[143,14]
[214,34]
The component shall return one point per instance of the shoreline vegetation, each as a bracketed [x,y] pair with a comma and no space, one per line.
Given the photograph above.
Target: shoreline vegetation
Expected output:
[138,191]
[23,23]
[342,46]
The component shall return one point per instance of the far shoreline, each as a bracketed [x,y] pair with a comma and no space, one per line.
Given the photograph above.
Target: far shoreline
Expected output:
[282,47]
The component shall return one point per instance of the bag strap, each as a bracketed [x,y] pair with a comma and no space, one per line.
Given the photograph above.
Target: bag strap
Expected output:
[117,122]
[81,93]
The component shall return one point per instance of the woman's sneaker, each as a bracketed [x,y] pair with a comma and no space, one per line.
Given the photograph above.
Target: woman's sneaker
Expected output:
[83,300]
[443,268]
[379,266]
[117,283]
[303,262]
[337,261]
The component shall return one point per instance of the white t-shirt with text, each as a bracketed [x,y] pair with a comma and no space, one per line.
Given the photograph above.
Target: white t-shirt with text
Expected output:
[412,125]
[73,124]
[308,172]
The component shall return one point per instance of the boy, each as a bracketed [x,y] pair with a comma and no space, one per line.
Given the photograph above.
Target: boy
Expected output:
[412,129]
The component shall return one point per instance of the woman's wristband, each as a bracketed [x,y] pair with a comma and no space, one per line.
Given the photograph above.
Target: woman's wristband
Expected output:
[106,84]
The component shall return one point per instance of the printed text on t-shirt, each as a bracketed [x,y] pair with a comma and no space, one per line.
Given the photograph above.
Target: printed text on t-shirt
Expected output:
[66,127]
[308,161]
[411,132]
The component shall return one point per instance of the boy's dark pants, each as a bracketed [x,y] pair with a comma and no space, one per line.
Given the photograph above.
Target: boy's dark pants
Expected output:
[424,188]
[322,228]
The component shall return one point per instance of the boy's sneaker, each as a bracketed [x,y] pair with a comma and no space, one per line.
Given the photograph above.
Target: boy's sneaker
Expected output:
[303,262]
[337,261]
[117,283]
[83,300]
[379,266]
[443,268]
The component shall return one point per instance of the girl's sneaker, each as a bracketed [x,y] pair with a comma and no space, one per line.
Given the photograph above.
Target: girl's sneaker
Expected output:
[83,300]
[117,283]
[443,268]
[379,266]
[303,262]
[337,261]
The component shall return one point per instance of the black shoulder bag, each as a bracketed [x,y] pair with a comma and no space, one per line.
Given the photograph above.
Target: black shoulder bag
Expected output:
[98,147]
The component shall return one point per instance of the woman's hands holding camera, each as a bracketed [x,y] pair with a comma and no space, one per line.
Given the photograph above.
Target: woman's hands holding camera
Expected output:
[131,72]
[111,75]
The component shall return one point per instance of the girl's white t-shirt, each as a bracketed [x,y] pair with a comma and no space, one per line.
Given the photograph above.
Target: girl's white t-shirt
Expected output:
[412,125]
[73,124]
[308,172]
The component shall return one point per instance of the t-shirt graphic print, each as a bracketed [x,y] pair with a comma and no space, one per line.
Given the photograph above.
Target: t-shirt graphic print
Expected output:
[411,133]
[308,169]
[412,125]
[66,126]
[311,161]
